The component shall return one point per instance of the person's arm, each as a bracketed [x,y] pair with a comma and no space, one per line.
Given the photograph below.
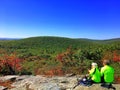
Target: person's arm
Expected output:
[102,71]
[91,72]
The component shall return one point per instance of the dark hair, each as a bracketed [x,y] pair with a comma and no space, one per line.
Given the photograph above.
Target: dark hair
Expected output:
[106,62]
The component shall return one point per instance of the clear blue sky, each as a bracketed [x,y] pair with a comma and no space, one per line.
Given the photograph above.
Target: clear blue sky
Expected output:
[93,19]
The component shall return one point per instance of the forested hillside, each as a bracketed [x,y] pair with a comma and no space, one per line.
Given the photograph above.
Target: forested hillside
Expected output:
[56,55]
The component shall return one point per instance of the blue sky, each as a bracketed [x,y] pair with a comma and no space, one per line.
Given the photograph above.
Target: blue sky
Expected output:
[93,19]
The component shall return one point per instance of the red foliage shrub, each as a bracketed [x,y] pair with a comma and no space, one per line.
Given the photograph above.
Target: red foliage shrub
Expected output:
[117,79]
[116,56]
[10,64]
[6,84]
[53,72]
[60,57]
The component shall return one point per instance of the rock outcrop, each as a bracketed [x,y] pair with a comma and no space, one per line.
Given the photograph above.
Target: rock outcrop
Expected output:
[27,82]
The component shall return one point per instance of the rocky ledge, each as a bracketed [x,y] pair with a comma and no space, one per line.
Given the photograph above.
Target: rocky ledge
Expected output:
[39,82]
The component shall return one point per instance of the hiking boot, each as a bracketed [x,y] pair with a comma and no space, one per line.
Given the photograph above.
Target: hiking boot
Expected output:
[108,85]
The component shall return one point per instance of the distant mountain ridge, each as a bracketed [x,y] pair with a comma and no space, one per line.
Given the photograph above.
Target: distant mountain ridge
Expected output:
[51,41]
[99,39]
[10,38]
[86,39]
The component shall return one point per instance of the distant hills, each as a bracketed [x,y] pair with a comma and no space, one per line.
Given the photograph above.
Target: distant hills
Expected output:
[49,42]
[10,38]
[83,39]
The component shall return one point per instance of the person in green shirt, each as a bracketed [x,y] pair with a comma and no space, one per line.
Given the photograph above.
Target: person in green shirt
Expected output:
[92,77]
[94,73]
[107,74]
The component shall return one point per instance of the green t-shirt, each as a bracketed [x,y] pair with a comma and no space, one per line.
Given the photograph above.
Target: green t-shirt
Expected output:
[107,72]
[95,75]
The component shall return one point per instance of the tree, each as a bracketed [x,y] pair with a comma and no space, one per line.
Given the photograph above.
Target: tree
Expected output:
[10,63]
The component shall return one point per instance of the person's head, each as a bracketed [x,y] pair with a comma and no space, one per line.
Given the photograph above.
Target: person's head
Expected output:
[106,62]
[94,65]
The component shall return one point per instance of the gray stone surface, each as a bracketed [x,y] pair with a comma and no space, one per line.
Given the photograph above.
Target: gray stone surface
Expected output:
[39,82]
[3,88]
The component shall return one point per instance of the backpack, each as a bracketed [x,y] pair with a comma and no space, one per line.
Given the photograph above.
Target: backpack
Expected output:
[86,81]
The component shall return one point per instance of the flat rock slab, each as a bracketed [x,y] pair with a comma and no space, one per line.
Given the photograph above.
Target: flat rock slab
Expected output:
[39,82]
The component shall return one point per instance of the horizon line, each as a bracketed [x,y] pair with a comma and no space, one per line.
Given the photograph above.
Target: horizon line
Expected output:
[56,36]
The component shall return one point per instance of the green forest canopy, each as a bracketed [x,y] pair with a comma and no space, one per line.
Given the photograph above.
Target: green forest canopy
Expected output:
[41,52]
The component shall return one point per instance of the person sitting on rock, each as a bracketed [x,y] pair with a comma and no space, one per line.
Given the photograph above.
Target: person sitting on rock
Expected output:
[94,73]
[93,76]
[107,74]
